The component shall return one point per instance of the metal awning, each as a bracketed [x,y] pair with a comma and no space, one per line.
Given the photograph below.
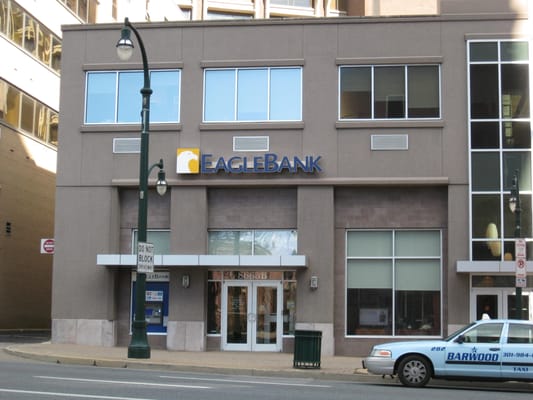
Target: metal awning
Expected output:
[205,260]
[489,267]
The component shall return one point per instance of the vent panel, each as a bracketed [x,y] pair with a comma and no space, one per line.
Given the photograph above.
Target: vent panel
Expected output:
[389,142]
[251,143]
[126,145]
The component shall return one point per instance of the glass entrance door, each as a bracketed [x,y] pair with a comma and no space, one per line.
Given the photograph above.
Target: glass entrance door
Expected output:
[251,316]
[499,303]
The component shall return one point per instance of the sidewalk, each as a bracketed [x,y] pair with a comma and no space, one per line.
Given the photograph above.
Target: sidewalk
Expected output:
[244,363]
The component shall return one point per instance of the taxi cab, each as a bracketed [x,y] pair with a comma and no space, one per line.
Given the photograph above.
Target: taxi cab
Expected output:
[487,349]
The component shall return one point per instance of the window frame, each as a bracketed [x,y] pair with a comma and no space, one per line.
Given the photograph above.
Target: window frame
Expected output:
[406,85]
[393,258]
[116,98]
[497,229]
[45,130]
[254,239]
[31,30]
[235,119]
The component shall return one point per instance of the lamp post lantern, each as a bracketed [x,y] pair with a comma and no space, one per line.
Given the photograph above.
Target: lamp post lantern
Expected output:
[516,209]
[139,347]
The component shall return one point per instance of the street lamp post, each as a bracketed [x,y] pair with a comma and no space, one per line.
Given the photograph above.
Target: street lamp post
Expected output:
[516,209]
[139,347]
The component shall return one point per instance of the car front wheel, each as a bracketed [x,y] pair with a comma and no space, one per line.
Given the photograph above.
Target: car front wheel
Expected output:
[414,371]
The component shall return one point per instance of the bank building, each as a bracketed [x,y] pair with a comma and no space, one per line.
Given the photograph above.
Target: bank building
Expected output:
[350,175]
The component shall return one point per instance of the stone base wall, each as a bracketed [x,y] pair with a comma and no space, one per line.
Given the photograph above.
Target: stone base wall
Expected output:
[186,336]
[92,332]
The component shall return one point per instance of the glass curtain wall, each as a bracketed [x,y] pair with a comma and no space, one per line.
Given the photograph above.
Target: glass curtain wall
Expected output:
[500,145]
[27,114]
[29,34]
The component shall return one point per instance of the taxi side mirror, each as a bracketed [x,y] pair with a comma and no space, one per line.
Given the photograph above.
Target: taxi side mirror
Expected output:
[460,339]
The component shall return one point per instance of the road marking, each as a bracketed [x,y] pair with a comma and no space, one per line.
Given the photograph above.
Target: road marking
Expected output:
[243,381]
[60,378]
[82,396]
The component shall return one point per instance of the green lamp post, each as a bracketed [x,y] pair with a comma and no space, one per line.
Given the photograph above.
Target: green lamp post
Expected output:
[139,347]
[516,209]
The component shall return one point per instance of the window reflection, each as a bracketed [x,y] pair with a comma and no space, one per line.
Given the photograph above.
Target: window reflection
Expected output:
[85,9]
[272,242]
[4,16]
[293,3]
[393,295]
[214,296]
[25,31]
[16,24]
[515,90]
[500,144]
[27,114]
[386,85]
[263,94]
[106,105]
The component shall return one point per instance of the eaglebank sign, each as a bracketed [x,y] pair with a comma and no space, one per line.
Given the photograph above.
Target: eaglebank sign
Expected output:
[189,161]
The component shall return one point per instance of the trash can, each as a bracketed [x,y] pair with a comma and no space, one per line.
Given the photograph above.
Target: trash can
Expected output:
[307,346]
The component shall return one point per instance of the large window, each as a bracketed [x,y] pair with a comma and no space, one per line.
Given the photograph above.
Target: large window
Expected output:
[389,92]
[393,282]
[253,94]
[24,30]
[500,145]
[114,97]
[256,242]
[27,114]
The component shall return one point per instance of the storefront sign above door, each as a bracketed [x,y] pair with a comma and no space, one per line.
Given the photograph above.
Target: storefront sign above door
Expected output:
[189,161]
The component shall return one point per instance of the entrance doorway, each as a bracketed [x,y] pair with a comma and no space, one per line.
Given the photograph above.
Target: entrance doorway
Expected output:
[499,303]
[251,315]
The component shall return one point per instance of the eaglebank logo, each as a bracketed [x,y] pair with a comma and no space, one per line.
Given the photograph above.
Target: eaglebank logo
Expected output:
[189,161]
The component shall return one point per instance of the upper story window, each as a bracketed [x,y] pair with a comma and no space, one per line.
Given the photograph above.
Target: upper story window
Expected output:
[294,3]
[253,94]
[214,15]
[27,33]
[276,242]
[114,97]
[340,5]
[389,92]
[27,114]
[85,9]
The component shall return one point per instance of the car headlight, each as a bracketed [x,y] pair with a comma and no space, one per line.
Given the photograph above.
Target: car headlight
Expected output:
[380,353]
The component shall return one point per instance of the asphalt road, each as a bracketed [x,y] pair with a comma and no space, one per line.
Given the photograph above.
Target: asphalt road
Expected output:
[24,379]
[27,379]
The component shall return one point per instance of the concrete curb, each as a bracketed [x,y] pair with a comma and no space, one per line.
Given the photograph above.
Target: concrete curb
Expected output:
[57,358]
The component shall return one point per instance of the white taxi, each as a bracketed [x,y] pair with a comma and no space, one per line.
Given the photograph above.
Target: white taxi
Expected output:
[487,349]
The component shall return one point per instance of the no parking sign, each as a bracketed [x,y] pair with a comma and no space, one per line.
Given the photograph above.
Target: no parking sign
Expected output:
[520,266]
